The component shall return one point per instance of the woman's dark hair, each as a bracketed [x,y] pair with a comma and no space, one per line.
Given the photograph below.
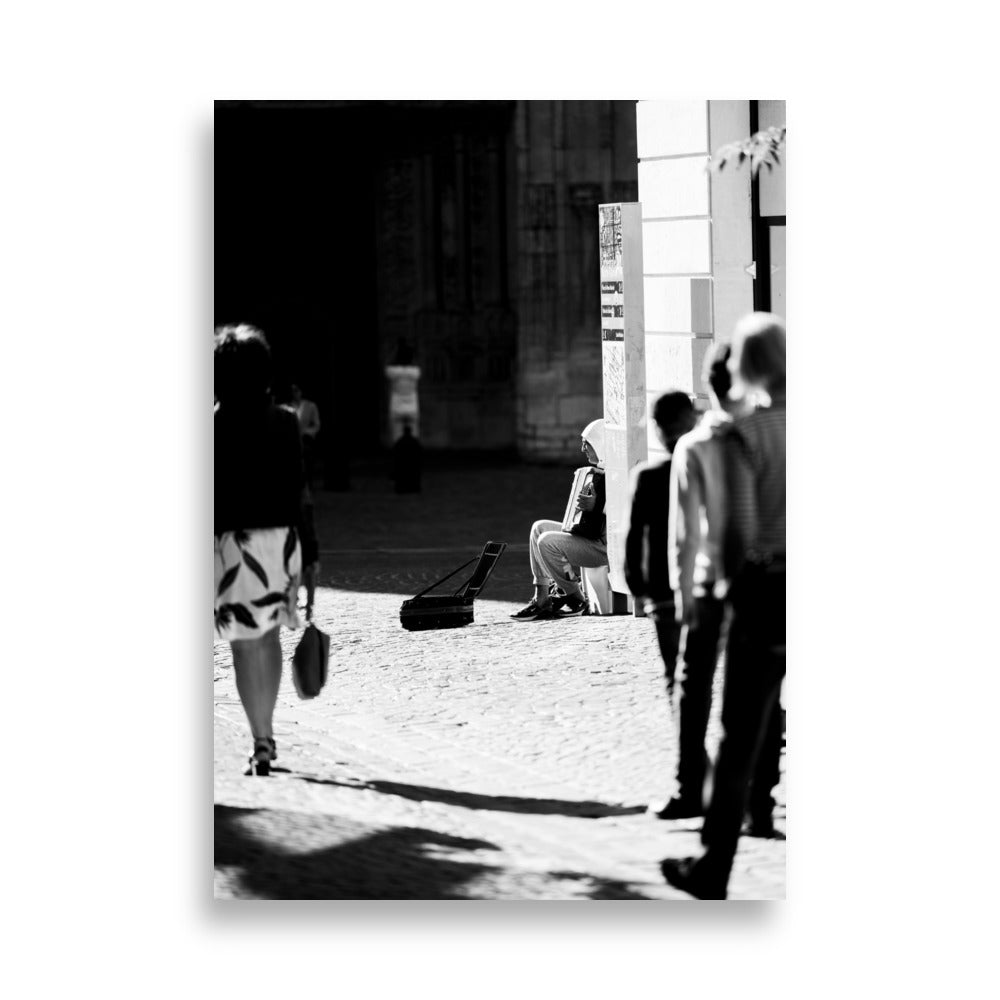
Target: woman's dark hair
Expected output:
[242,364]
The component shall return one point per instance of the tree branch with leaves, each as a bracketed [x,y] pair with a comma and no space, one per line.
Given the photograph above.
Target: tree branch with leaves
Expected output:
[762,149]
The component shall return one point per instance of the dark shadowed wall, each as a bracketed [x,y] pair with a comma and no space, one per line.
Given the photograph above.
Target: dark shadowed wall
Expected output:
[466,229]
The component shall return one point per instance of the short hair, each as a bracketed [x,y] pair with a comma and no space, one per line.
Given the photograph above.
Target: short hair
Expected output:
[759,348]
[242,363]
[674,413]
[715,371]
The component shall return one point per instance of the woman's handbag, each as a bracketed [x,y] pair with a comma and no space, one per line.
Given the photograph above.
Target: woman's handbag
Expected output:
[309,662]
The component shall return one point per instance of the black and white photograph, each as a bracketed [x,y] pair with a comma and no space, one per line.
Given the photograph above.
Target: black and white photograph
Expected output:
[495,471]
[499,500]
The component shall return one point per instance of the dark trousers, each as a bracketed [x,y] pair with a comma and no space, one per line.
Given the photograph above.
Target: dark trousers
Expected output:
[668,635]
[699,653]
[751,718]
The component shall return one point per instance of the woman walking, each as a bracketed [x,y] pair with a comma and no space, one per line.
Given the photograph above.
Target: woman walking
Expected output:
[259,484]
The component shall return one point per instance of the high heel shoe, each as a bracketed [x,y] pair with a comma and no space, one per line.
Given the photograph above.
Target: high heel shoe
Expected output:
[264,751]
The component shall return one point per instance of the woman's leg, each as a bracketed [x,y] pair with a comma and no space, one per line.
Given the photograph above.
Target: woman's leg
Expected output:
[309,580]
[257,663]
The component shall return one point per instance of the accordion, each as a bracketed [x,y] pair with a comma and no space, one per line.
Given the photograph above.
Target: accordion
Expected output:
[426,611]
[582,478]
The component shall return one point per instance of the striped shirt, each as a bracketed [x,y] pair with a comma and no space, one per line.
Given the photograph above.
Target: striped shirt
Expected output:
[697,506]
[755,477]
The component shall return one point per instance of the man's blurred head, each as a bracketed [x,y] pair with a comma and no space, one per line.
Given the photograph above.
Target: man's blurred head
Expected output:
[674,415]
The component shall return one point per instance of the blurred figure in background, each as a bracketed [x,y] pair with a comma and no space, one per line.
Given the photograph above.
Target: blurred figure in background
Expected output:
[646,571]
[753,561]
[308,414]
[308,538]
[407,461]
[310,550]
[259,485]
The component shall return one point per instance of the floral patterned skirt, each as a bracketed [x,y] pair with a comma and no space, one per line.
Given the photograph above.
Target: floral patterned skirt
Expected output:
[256,582]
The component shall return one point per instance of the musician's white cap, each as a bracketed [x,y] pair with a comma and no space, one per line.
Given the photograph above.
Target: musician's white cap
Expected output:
[593,434]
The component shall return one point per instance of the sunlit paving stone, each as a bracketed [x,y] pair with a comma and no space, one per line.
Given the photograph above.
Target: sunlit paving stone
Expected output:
[495,761]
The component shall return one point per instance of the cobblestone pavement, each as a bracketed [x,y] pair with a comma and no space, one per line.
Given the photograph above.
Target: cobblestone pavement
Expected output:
[497,761]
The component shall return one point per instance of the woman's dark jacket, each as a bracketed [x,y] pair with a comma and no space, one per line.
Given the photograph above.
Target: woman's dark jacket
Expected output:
[259,477]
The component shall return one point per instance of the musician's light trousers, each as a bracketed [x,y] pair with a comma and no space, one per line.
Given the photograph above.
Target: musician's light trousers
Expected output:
[557,555]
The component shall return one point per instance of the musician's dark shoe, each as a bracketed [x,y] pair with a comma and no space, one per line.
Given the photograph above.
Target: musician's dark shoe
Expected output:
[533,612]
[570,605]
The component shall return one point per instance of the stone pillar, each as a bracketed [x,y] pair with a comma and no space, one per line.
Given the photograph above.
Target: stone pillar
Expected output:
[732,210]
[696,238]
[624,369]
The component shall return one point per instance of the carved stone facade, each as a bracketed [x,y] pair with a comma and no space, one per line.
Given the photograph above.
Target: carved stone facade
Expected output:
[468,230]
[488,267]
[442,242]
[571,156]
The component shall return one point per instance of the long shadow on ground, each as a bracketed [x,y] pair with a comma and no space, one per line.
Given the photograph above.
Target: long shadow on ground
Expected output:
[278,854]
[476,800]
[355,863]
